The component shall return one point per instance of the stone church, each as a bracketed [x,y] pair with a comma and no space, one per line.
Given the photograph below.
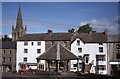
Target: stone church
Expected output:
[8,49]
[19,30]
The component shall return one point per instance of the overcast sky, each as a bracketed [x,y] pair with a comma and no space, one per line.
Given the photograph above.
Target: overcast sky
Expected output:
[59,17]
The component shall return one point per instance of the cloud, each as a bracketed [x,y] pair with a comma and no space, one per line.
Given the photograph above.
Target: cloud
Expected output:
[1,35]
[10,36]
[101,25]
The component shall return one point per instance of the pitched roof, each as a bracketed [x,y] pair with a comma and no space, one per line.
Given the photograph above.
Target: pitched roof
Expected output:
[85,37]
[57,52]
[114,38]
[8,45]
[88,38]
[47,37]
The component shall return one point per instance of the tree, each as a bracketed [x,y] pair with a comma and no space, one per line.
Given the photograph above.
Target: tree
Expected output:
[85,29]
[6,38]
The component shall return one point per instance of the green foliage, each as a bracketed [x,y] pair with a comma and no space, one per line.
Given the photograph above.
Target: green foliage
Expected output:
[85,29]
[82,29]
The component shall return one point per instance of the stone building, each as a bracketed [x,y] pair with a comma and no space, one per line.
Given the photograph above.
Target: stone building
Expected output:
[114,54]
[8,52]
[19,30]
[8,48]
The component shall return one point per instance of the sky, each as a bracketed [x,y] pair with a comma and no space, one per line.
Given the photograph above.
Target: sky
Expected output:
[61,16]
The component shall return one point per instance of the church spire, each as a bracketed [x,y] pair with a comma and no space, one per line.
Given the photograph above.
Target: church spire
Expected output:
[19,18]
[19,30]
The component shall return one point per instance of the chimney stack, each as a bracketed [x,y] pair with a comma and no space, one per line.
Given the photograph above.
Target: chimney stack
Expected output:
[50,31]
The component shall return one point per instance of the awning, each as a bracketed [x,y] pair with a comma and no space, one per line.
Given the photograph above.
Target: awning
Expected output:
[57,52]
[115,62]
[27,63]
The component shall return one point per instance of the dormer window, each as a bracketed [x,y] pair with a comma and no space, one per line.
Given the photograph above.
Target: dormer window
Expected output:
[78,42]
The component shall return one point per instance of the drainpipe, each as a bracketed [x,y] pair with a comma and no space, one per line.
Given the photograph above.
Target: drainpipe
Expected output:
[78,65]
[108,58]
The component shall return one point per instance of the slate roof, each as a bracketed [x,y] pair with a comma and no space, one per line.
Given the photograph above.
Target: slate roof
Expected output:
[8,45]
[57,52]
[85,37]
[91,38]
[114,38]
[47,37]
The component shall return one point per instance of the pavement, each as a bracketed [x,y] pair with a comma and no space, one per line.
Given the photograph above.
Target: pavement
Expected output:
[10,75]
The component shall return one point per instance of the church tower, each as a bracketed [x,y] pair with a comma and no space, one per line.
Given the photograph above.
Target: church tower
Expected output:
[19,30]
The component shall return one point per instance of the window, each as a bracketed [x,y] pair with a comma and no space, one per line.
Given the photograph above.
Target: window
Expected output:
[101,67]
[32,43]
[80,57]
[118,51]
[118,46]
[78,42]
[100,57]
[52,42]
[118,56]
[39,43]
[3,59]
[25,43]
[74,65]
[3,51]
[100,43]
[41,66]
[9,59]
[100,49]
[79,49]
[38,50]
[86,58]
[10,51]
[25,50]
[25,59]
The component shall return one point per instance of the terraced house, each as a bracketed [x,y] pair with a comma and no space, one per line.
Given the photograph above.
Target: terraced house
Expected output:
[70,50]
[91,49]
[8,51]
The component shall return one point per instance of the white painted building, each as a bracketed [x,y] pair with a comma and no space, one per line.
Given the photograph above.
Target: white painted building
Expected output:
[30,46]
[90,49]
[27,53]
[88,46]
